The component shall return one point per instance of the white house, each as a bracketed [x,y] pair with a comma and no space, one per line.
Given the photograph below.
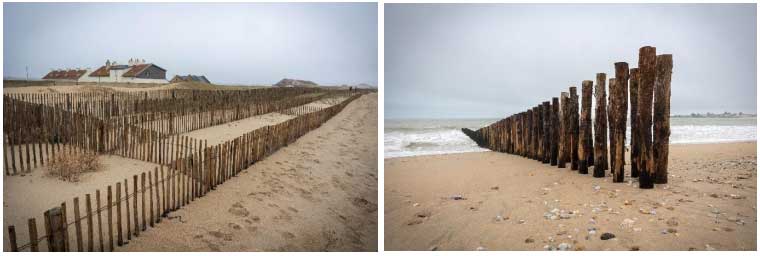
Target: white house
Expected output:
[136,71]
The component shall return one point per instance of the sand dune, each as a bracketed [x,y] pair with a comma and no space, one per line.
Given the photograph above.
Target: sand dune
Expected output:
[30,195]
[317,194]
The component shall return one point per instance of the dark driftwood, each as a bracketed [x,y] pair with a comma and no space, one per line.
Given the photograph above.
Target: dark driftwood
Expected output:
[661,117]
[647,72]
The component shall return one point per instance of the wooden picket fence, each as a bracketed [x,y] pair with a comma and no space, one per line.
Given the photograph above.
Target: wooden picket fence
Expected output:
[104,105]
[196,170]
[36,127]
[554,132]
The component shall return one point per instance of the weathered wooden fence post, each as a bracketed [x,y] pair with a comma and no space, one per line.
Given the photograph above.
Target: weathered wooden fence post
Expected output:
[584,151]
[635,145]
[547,132]
[647,72]
[620,93]
[600,127]
[33,238]
[574,128]
[554,130]
[530,133]
[12,238]
[661,139]
[55,224]
[563,130]
[611,123]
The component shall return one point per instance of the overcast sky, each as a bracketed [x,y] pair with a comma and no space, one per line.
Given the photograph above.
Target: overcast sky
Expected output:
[481,60]
[244,43]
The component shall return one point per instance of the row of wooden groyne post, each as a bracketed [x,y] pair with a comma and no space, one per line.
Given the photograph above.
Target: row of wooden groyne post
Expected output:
[557,133]
[190,171]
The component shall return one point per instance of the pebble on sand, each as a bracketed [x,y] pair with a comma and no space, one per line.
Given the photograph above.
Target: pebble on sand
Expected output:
[607,236]
[457,197]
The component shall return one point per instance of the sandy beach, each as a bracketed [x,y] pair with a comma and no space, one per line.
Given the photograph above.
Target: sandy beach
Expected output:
[317,194]
[30,194]
[507,202]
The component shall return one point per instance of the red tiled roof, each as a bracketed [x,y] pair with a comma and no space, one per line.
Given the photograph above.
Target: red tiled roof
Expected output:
[65,74]
[102,71]
[136,70]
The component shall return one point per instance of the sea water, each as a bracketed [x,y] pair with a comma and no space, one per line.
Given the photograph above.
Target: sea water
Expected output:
[412,137]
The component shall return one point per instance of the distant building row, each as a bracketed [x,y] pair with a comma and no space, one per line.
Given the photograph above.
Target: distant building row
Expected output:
[190,78]
[136,71]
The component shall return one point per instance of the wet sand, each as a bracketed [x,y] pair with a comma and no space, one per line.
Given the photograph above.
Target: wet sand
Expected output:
[514,203]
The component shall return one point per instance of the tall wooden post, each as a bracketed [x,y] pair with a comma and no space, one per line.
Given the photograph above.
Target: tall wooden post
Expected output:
[564,129]
[574,128]
[547,133]
[554,131]
[621,111]
[635,145]
[584,151]
[612,123]
[600,127]
[661,117]
[647,72]
[539,132]
[530,134]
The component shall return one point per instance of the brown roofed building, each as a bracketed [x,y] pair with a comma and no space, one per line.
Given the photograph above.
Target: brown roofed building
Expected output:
[101,72]
[65,75]
[135,72]
[190,78]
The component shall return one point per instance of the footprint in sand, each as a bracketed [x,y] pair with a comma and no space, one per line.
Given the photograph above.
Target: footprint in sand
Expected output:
[212,246]
[234,226]
[237,209]
[363,203]
[285,216]
[221,235]
[287,235]
[305,194]
[414,222]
